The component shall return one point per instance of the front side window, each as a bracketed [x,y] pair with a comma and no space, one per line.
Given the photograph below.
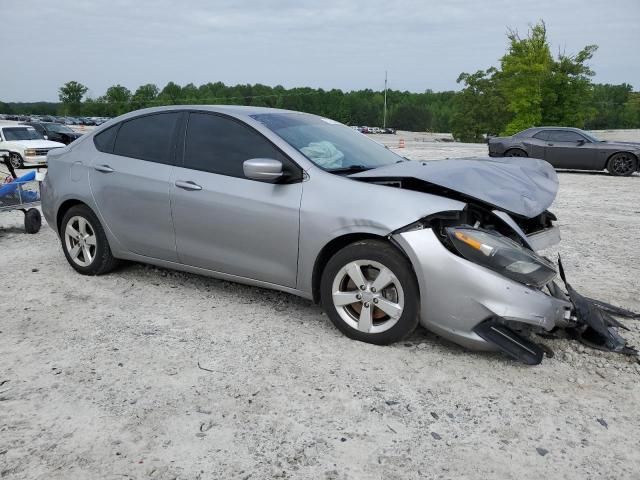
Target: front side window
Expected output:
[148,138]
[220,145]
[564,136]
[21,133]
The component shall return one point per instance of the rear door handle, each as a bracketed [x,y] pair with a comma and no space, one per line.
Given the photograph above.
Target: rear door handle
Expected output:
[188,185]
[103,168]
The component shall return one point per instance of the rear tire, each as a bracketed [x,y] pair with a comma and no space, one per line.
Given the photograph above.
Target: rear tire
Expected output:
[622,164]
[32,220]
[515,152]
[370,293]
[84,242]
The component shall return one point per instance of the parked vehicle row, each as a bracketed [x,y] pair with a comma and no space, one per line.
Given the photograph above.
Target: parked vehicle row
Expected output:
[85,121]
[569,148]
[365,129]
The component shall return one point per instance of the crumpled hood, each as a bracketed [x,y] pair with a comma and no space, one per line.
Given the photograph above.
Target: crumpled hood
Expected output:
[523,186]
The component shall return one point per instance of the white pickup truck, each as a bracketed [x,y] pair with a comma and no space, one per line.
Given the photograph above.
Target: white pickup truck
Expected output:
[27,147]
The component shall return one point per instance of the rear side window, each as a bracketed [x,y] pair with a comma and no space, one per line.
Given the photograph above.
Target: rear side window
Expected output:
[220,145]
[104,140]
[148,138]
[543,135]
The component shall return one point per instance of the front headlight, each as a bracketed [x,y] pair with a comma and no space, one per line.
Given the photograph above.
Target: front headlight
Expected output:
[29,152]
[502,255]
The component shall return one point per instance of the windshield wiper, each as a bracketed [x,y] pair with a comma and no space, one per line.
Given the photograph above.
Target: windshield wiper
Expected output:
[350,169]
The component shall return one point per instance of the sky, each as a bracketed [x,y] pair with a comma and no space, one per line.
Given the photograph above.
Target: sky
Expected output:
[423,44]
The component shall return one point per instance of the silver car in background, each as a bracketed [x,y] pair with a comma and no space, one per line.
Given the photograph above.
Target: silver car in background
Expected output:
[303,204]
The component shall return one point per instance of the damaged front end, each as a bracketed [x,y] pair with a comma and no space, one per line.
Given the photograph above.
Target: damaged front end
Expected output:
[482,283]
[485,287]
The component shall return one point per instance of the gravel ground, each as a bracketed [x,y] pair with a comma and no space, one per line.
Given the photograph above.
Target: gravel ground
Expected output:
[147,373]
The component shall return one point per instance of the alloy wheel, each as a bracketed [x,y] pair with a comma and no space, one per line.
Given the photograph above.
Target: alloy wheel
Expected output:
[80,240]
[368,296]
[622,164]
[15,160]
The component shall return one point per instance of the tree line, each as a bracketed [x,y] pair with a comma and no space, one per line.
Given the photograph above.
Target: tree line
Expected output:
[529,87]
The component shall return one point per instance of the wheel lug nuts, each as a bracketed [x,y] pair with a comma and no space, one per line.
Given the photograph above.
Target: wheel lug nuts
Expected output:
[366,304]
[373,289]
[358,296]
[375,300]
[362,287]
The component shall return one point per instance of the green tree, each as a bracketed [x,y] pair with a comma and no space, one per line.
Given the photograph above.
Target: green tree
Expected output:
[144,96]
[117,99]
[70,94]
[171,94]
[525,70]
[480,108]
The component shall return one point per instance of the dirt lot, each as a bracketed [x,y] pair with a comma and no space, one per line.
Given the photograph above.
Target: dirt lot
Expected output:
[99,377]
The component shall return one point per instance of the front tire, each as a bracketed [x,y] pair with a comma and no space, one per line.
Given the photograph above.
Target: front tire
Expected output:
[84,242]
[370,293]
[16,160]
[622,164]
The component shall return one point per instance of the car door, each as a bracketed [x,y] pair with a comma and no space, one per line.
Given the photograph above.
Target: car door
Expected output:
[224,221]
[568,149]
[536,145]
[130,178]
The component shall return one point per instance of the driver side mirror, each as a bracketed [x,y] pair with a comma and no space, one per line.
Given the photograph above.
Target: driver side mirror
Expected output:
[263,169]
[46,137]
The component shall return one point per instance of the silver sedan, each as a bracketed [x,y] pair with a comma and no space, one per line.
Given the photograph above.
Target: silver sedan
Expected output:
[306,205]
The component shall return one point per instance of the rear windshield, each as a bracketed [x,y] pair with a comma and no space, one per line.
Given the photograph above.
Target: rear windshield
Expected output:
[21,133]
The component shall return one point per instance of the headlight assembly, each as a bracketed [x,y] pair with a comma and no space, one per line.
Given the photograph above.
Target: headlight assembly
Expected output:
[502,255]
[29,152]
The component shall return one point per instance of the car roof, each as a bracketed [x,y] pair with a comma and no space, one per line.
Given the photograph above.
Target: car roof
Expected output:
[533,130]
[234,110]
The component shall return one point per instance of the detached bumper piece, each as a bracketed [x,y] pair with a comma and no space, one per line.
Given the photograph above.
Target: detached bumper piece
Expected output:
[595,327]
[509,341]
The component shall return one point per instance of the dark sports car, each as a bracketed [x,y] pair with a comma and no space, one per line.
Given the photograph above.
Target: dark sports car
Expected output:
[569,148]
[56,132]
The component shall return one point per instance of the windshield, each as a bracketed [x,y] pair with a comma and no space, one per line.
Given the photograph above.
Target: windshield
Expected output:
[58,128]
[21,133]
[590,137]
[329,144]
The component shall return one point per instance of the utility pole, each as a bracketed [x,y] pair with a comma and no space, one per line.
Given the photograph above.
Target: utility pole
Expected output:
[384,117]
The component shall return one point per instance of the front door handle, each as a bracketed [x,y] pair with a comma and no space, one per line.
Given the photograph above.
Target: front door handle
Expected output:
[103,168]
[188,185]
[550,144]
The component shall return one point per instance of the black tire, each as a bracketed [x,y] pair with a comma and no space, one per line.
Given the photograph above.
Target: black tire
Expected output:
[16,160]
[102,261]
[515,152]
[32,220]
[388,256]
[622,164]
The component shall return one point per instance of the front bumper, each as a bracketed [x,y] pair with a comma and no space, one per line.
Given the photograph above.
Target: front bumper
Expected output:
[457,295]
[34,160]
